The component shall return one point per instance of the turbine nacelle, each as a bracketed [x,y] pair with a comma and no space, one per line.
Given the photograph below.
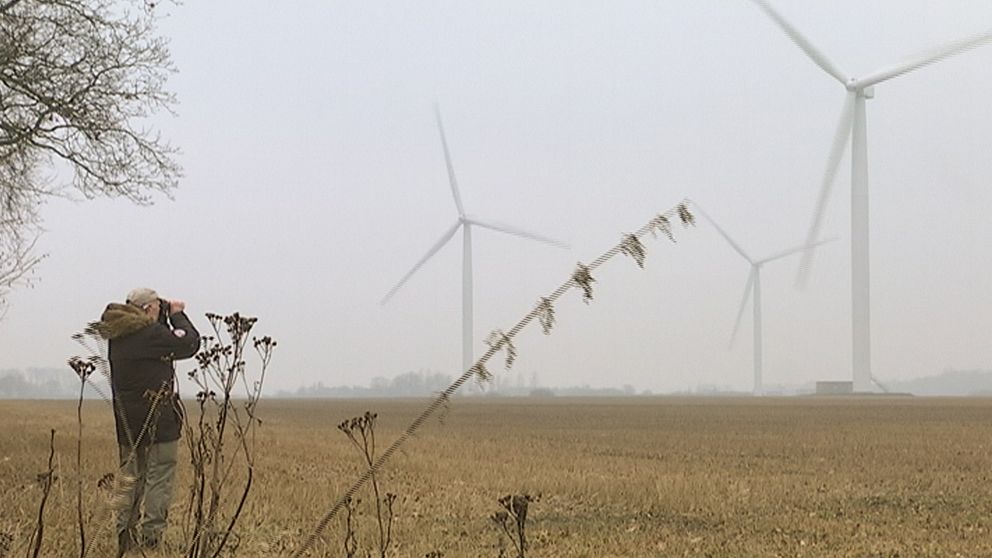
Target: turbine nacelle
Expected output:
[854,86]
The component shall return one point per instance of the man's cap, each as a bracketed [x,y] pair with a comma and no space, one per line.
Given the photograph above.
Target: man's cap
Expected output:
[141,297]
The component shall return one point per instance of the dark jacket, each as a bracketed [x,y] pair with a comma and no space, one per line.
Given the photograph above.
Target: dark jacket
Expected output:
[141,351]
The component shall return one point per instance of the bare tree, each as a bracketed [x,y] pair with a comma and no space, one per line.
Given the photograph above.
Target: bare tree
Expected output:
[18,219]
[78,78]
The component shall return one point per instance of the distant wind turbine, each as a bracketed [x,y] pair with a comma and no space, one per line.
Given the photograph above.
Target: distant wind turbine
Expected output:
[465,223]
[753,289]
[853,124]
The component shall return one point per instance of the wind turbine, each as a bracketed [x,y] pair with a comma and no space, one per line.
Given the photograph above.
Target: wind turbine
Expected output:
[464,222]
[753,289]
[853,124]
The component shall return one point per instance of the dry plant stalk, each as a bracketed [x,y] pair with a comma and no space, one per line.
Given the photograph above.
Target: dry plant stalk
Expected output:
[512,519]
[361,432]
[350,539]
[83,369]
[222,378]
[46,480]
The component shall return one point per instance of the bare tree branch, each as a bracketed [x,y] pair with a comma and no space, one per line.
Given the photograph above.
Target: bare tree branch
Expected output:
[77,79]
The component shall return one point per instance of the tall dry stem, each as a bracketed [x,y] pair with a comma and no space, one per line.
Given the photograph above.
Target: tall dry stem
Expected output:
[227,404]
[361,432]
[83,369]
[46,480]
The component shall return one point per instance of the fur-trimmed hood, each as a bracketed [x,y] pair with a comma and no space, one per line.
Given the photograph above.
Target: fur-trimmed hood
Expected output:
[120,320]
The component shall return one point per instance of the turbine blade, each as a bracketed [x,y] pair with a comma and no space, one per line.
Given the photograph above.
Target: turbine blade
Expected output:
[930,57]
[506,229]
[796,249]
[723,233]
[437,246]
[802,42]
[447,161]
[841,137]
[740,311]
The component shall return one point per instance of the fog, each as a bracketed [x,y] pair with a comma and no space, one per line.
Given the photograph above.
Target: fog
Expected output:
[315,179]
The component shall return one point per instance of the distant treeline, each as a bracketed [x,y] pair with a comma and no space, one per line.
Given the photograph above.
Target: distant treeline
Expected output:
[425,383]
[59,383]
[410,384]
[950,382]
[47,383]
[417,384]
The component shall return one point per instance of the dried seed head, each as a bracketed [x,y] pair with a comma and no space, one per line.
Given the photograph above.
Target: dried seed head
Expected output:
[631,246]
[687,218]
[661,223]
[263,343]
[83,368]
[499,340]
[481,374]
[546,314]
[584,280]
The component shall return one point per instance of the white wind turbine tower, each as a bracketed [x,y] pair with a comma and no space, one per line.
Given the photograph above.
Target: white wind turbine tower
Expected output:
[753,289]
[465,223]
[852,124]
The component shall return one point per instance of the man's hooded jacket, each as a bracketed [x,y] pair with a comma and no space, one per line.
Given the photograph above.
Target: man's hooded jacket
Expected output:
[141,351]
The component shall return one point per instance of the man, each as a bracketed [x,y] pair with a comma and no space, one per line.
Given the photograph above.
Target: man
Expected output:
[145,335]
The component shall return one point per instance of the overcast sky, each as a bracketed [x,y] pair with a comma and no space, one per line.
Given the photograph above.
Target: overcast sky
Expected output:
[315,179]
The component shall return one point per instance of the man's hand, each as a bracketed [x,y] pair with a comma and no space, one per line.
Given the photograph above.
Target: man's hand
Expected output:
[176,306]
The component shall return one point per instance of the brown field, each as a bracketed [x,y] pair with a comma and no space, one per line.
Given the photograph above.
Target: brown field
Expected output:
[616,477]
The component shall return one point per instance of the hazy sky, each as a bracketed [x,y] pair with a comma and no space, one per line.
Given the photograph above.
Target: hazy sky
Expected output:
[315,179]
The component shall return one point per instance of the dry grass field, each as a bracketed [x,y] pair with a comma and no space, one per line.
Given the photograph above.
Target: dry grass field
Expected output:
[645,476]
